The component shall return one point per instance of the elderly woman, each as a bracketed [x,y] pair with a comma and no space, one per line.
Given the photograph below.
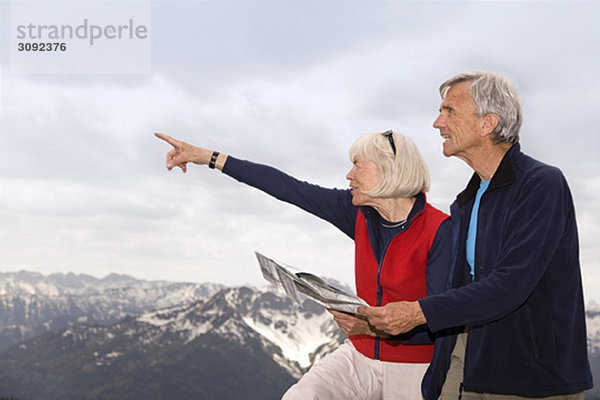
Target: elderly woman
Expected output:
[401,253]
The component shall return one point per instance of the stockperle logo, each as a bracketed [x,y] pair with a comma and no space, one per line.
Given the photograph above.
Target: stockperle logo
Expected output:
[82,37]
[90,32]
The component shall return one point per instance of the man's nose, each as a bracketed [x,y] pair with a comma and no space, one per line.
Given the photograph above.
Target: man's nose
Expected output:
[439,122]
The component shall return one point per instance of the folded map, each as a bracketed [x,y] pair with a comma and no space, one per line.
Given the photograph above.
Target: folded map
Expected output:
[309,285]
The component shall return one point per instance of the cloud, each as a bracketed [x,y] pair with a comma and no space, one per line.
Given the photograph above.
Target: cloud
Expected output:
[82,180]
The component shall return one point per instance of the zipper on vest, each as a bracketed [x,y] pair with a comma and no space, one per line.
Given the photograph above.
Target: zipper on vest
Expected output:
[377,354]
[380,267]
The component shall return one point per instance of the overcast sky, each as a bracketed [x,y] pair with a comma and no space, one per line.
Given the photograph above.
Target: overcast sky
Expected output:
[83,186]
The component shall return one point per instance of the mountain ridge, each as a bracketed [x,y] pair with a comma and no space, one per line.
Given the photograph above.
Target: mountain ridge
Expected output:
[68,336]
[171,344]
[31,303]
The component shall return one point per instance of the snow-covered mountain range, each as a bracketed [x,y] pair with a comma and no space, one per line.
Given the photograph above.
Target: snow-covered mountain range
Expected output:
[593,333]
[98,332]
[78,337]
[31,303]
[593,326]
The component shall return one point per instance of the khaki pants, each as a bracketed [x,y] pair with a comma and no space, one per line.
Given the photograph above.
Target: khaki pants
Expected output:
[346,374]
[452,386]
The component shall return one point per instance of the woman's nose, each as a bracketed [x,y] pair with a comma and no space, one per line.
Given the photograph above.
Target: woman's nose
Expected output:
[350,174]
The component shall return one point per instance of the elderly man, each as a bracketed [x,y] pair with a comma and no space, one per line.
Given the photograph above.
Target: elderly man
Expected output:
[512,324]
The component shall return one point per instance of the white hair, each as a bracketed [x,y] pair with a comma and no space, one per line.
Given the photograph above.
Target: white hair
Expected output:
[404,174]
[492,93]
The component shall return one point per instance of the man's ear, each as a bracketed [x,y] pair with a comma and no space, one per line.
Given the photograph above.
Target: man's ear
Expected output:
[489,122]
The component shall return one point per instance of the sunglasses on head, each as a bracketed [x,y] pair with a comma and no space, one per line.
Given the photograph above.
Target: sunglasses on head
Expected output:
[389,134]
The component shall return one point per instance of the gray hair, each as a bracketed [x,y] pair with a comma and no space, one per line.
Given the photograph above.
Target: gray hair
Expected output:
[496,94]
[404,174]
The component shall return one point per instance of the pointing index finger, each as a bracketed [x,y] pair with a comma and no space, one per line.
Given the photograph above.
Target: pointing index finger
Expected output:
[167,138]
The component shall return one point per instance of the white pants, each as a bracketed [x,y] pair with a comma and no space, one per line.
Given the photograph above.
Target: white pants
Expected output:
[346,374]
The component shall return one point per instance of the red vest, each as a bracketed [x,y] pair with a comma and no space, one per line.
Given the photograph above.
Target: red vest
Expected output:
[402,277]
